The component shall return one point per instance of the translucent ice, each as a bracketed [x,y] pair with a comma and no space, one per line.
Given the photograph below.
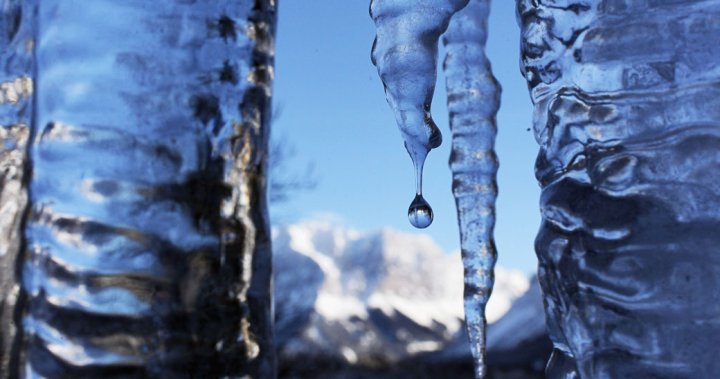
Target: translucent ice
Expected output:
[146,244]
[473,101]
[627,114]
[405,54]
[17,23]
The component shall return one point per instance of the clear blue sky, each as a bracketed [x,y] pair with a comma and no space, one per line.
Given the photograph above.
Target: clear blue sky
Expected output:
[334,113]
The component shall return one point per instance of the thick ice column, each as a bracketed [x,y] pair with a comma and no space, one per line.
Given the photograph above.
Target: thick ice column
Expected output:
[17,22]
[627,114]
[147,240]
[473,100]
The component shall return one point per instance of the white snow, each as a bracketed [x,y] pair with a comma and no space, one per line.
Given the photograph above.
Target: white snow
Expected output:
[345,274]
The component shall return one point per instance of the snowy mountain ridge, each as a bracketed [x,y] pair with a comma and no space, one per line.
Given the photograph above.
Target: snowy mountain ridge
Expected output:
[342,291]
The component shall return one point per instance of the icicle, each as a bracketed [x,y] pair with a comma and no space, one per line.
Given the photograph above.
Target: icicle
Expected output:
[405,54]
[473,101]
[627,116]
[147,241]
[17,38]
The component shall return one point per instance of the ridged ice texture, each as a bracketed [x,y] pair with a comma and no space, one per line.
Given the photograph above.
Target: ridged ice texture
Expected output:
[627,114]
[147,239]
[16,109]
[405,54]
[473,101]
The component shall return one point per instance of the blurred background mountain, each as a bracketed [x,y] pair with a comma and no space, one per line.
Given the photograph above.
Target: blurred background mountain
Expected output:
[388,304]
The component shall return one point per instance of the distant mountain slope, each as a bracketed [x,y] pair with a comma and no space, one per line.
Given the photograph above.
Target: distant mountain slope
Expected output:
[370,298]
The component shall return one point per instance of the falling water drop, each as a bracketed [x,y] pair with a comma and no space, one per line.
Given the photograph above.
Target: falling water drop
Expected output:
[405,54]
[420,213]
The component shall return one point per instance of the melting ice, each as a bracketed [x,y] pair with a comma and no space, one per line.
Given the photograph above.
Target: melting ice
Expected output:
[405,54]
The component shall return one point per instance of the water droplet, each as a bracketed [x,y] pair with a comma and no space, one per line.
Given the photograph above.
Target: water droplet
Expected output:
[420,213]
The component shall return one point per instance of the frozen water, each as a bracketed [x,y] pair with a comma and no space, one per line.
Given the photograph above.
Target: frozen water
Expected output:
[146,244]
[473,101]
[627,114]
[17,23]
[405,54]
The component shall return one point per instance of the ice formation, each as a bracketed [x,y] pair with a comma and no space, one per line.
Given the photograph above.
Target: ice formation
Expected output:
[17,24]
[146,244]
[473,100]
[405,53]
[627,114]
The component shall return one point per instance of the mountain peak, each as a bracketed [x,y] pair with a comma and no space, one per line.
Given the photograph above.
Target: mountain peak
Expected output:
[386,286]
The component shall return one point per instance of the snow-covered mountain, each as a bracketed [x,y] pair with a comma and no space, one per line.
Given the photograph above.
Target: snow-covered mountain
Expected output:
[371,298]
